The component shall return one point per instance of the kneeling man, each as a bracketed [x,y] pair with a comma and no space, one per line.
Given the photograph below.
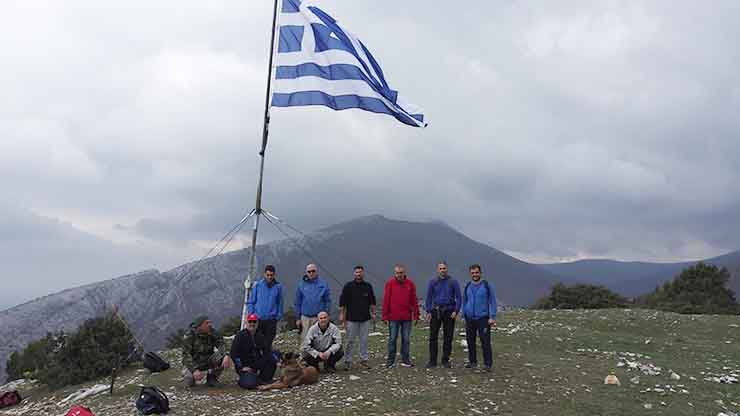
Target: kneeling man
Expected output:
[323,343]
[252,357]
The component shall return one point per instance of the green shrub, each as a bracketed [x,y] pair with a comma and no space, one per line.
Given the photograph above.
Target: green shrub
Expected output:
[580,296]
[98,345]
[700,289]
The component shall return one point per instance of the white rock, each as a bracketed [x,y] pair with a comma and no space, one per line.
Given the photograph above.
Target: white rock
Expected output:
[612,379]
[675,376]
[354,377]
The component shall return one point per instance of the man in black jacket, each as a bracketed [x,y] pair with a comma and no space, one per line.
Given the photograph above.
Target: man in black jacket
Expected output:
[253,360]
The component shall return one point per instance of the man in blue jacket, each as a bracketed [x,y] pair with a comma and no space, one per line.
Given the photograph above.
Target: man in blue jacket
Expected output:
[479,310]
[442,306]
[266,301]
[311,297]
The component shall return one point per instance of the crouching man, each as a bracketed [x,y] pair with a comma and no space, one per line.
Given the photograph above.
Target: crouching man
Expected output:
[323,343]
[203,353]
[252,357]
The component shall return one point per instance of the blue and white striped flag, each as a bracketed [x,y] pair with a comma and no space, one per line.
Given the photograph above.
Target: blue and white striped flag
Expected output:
[319,63]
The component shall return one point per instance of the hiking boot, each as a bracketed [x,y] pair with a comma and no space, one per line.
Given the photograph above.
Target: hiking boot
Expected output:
[431,365]
[471,365]
[365,365]
[348,366]
[487,369]
[390,365]
[330,369]
[446,364]
[212,380]
[407,364]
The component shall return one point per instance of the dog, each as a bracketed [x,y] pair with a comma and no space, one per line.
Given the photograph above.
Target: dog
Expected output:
[292,374]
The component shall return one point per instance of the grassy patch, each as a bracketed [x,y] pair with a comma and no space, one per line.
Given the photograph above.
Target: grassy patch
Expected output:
[545,362]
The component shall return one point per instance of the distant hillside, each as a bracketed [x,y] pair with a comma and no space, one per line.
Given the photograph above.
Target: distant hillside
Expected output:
[635,278]
[157,303]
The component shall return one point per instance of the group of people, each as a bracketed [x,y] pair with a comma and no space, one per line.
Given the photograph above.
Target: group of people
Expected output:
[255,362]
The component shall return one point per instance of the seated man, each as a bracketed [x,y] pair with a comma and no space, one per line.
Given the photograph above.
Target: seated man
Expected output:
[202,353]
[252,357]
[323,342]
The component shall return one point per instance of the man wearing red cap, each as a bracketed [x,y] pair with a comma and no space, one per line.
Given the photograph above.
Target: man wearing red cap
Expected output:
[252,358]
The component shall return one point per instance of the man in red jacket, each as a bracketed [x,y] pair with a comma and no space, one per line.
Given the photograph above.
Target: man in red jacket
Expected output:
[400,307]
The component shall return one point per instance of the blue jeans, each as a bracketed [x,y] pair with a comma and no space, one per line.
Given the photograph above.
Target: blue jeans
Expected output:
[405,328]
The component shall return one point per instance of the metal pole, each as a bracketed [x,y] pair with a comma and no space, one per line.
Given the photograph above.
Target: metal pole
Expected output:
[258,203]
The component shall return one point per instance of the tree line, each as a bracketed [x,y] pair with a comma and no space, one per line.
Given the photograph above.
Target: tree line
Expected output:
[699,289]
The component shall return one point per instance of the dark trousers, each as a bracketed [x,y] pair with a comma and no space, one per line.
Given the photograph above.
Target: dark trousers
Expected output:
[441,319]
[262,375]
[329,363]
[479,328]
[268,328]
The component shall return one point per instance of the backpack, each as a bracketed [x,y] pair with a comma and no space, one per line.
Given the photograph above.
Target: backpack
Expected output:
[152,401]
[10,398]
[80,411]
[155,363]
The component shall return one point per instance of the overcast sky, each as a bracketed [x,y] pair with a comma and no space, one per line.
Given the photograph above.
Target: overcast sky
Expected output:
[558,130]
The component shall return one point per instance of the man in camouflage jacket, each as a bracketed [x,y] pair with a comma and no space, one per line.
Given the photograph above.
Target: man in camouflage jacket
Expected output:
[203,353]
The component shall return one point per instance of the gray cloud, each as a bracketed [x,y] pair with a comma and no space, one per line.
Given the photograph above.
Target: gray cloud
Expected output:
[557,130]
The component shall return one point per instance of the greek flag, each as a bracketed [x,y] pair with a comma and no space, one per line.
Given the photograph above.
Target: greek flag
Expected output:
[319,63]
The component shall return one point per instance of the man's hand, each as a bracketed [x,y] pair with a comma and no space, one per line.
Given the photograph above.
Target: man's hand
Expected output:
[324,355]
[198,375]
[491,322]
[453,315]
[226,362]
[373,316]
[298,324]
[342,322]
[429,317]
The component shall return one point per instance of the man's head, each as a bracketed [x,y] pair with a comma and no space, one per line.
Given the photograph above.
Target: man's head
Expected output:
[399,272]
[475,272]
[202,324]
[311,271]
[269,273]
[252,321]
[323,320]
[442,269]
[359,273]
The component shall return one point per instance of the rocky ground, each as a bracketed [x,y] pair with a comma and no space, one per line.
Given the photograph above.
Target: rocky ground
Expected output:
[545,362]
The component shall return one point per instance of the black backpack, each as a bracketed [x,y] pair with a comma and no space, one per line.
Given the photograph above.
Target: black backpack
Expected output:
[152,401]
[10,398]
[155,363]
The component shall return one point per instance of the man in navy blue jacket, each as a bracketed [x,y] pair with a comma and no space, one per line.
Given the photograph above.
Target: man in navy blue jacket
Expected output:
[266,301]
[479,311]
[442,306]
[311,297]
[253,361]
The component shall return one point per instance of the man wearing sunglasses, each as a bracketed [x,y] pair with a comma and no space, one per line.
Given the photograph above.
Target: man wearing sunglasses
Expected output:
[311,297]
[252,358]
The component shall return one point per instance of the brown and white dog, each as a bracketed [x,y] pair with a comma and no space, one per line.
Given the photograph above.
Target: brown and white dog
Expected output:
[292,374]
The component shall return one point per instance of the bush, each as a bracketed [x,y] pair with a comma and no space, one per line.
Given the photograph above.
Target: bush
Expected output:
[174,340]
[700,289]
[231,326]
[98,345]
[35,356]
[580,296]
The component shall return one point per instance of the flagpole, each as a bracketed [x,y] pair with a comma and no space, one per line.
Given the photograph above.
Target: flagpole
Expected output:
[258,203]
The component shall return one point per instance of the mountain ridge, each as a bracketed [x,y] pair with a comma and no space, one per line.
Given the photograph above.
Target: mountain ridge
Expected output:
[157,303]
